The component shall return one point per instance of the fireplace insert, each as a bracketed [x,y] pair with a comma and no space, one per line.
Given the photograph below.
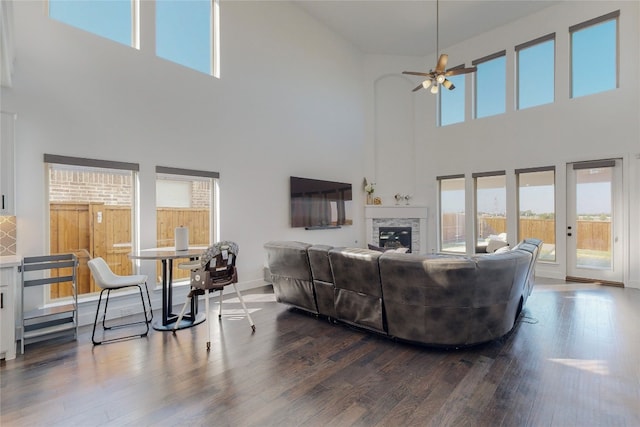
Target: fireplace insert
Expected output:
[395,237]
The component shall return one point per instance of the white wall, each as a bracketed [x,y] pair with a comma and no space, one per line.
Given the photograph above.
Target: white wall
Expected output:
[290,102]
[600,126]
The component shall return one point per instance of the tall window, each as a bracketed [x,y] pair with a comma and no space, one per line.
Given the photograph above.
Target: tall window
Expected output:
[185,33]
[536,76]
[185,198]
[536,207]
[490,85]
[491,208]
[91,213]
[594,55]
[112,19]
[452,214]
[452,101]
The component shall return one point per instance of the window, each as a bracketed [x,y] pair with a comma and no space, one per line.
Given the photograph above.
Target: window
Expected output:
[491,207]
[536,207]
[185,198]
[490,85]
[536,77]
[113,19]
[594,55]
[452,101]
[91,213]
[452,214]
[185,33]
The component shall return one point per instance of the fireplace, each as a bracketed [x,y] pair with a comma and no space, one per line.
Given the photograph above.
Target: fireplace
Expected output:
[411,217]
[395,237]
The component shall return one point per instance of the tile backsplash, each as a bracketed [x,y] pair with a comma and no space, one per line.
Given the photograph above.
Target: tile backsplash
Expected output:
[7,235]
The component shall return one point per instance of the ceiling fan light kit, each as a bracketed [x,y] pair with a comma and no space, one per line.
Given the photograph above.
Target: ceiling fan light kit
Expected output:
[439,76]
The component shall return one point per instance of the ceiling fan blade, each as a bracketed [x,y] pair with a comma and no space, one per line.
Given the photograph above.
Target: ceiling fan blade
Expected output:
[416,73]
[458,71]
[417,87]
[442,63]
[447,84]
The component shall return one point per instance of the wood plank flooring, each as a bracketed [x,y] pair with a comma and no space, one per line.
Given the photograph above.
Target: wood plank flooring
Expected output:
[573,359]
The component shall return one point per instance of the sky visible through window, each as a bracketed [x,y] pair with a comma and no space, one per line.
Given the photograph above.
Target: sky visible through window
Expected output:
[491,87]
[183,32]
[594,59]
[107,18]
[183,27]
[593,67]
[452,102]
[536,77]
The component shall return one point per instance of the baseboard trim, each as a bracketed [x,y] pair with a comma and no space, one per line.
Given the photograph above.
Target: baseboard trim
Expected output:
[595,281]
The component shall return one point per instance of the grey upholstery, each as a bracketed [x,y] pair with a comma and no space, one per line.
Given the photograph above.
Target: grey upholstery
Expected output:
[445,300]
[453,300]
[322,279]
[291,274]
[358,294]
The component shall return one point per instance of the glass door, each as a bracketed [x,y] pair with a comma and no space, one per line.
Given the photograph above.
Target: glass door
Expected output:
[594,210]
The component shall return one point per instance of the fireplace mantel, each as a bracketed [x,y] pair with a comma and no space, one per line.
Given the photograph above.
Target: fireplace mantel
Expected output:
[400,212]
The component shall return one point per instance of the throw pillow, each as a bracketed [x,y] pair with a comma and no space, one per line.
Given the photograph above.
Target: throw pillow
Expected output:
[494,245]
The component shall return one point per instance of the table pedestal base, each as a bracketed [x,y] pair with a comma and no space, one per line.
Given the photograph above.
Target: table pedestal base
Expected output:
[184,323]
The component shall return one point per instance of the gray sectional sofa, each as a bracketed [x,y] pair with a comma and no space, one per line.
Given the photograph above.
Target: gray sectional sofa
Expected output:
[442,300]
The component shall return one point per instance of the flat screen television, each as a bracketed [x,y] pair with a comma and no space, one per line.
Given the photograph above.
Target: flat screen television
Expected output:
[320,204]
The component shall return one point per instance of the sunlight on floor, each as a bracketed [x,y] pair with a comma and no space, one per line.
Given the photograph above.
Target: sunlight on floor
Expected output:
[600,367]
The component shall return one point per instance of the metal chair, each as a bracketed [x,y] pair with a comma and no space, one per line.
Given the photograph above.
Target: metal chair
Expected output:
[214,270]
[109,281]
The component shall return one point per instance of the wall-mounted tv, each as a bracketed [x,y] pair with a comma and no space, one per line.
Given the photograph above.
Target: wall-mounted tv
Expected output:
[320,204]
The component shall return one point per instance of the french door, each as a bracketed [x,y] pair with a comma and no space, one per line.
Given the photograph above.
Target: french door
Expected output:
[594,221]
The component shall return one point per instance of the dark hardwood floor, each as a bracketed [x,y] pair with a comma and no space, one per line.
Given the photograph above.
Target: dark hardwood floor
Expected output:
[573,359]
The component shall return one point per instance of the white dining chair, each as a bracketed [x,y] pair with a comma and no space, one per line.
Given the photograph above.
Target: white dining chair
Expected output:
[109,281]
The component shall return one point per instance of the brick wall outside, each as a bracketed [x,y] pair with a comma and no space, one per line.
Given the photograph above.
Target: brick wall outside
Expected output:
[107,188]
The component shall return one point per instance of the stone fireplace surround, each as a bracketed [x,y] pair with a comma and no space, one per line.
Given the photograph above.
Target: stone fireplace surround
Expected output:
[398,216]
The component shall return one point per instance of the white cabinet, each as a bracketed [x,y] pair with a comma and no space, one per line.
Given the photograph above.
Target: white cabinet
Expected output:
[8,280]
[7,164]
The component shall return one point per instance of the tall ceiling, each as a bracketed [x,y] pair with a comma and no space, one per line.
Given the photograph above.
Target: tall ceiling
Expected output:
[401,27]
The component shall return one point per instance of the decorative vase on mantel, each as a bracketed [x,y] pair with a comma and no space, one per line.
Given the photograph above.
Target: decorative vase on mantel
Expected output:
[369,198]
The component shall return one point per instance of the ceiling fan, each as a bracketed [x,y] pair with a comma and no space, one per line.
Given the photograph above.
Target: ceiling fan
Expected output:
[439,76]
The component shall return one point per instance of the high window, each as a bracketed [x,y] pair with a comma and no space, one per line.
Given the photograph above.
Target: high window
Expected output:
[536,206]
[91,214]
[490,85]
[535,75]
[113,19]
[452,214]
[491,207]
[452,102]
[594,55]
[185,198]
[185,33]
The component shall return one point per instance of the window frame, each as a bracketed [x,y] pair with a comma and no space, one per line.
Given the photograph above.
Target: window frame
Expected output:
[518,173]
[133,168]
[484,60]
[134,35]
[523,46]
[440,221]
[611,16]
[476,225]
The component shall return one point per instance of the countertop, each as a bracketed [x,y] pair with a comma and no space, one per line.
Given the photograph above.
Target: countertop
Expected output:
[10,261]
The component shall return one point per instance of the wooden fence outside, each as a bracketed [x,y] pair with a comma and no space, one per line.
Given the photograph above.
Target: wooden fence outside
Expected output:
[594,235]
[97,230]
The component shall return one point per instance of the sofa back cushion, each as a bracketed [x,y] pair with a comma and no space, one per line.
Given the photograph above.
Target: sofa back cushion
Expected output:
[356,269]
[358,293]
[291,274]
[322,279]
